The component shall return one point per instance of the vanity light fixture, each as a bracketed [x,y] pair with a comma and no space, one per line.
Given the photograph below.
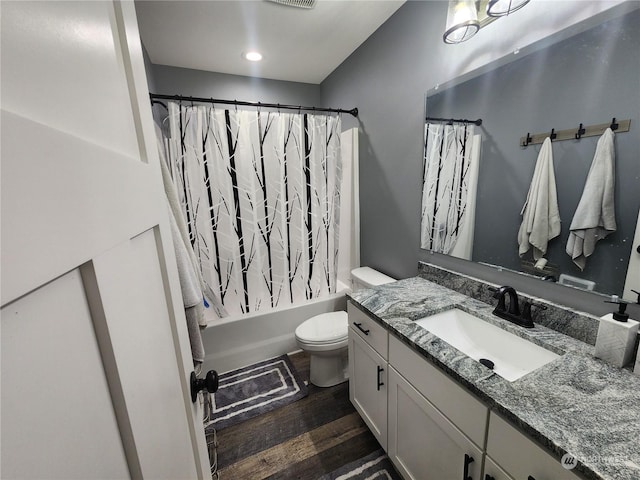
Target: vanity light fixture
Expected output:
[466,17]
[462,21]
[252,56]
[500,8]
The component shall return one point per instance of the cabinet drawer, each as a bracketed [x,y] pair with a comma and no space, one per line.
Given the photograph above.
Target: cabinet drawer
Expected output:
[462,408]
[372,332]
[520,456]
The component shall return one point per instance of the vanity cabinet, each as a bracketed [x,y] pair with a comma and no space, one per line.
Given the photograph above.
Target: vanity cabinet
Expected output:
[368,371]
[423,443]
[436,428]
[519,457]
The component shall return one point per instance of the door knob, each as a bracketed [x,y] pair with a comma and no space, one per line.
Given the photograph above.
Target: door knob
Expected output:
[209,382]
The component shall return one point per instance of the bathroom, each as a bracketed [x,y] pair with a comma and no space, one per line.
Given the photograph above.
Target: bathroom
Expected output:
[387,79]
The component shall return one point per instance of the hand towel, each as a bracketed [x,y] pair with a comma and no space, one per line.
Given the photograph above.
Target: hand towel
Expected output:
[594,218]
[540,214]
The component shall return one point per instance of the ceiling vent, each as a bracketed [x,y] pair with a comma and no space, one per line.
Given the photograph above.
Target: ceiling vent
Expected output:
[296,3]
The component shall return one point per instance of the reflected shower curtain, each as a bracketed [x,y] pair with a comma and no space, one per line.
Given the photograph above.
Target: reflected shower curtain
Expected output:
[448,168]
[261,196]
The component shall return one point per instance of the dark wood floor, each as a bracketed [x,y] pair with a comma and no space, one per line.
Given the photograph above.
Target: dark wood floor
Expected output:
[303,440]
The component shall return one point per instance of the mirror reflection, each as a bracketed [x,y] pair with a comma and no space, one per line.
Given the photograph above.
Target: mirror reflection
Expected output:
[477,177]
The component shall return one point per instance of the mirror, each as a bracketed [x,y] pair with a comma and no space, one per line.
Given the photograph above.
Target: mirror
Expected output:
[589,78]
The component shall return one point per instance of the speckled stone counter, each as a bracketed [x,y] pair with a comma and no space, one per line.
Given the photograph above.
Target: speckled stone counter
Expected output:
[576,404]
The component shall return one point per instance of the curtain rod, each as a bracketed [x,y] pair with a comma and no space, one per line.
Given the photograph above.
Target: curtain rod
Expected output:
[455,120]
[154,97]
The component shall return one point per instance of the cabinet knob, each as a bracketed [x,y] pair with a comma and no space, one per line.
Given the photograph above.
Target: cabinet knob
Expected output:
[468,459]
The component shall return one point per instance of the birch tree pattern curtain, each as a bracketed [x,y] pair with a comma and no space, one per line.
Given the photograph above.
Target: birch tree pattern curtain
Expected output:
[261,196]
[447,161]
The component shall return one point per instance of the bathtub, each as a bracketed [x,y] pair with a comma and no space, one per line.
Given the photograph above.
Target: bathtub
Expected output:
[235,342]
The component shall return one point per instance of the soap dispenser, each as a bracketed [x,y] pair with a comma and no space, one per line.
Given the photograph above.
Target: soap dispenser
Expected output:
[616,335]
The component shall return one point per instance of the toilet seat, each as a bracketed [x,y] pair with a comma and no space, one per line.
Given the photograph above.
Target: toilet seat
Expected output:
[325,330]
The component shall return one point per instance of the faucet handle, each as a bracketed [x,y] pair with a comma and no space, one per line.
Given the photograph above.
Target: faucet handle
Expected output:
[526,308]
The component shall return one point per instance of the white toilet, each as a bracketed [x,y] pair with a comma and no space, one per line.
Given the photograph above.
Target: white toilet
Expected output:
[325,336]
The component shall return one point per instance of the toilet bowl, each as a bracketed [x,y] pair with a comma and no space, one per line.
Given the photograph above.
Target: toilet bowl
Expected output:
[325,336]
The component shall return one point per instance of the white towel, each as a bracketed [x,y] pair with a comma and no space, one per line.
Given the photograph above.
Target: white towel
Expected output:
[595,216]
[540,214]
[191,282]
[191,292]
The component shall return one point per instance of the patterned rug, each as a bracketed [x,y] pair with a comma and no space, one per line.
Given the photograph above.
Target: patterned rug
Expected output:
[375,466]
[251,391]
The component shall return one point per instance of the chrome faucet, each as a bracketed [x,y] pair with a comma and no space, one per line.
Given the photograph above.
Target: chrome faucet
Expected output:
[513,313]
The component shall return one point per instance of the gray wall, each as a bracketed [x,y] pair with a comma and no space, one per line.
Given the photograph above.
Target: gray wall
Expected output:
[387,78]
[198,83]
[559,87]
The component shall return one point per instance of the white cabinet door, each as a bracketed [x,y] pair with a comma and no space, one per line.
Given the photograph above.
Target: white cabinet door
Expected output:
[519,456]
[95,352]
[368,386]
[493,472]
[423,444]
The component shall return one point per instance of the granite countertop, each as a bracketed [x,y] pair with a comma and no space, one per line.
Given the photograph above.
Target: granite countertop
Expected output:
[576,404]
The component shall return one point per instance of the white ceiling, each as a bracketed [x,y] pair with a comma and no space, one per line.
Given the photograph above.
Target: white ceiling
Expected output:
[300,45]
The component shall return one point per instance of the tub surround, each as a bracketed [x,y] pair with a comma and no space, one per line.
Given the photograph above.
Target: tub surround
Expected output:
[576,404]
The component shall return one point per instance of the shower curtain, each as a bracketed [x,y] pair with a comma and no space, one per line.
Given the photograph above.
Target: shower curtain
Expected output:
[448,194]
[261,195]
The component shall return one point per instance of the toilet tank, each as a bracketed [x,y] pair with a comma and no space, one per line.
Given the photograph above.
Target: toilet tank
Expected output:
[366,277]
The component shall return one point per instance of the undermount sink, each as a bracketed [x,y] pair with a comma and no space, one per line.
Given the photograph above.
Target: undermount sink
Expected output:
[510,356]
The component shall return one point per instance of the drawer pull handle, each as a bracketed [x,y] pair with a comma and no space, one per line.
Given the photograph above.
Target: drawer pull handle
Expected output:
[359,327]
[380,383]
[468,459]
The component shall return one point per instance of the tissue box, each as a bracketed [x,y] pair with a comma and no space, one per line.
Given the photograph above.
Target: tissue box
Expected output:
[616,340]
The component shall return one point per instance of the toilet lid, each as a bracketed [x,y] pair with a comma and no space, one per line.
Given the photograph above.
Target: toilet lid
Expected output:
[326,327]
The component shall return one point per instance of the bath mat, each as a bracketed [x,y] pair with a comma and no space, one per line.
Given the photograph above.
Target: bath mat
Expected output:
[251,391]
[375,466]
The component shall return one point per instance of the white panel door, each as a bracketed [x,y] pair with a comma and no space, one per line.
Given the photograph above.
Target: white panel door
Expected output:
[95,351]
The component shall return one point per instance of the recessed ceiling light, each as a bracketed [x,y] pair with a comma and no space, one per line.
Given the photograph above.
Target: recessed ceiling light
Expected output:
[252,56]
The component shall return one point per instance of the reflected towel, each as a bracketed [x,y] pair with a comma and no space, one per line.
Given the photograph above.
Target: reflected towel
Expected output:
[595,215]
[540,214]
